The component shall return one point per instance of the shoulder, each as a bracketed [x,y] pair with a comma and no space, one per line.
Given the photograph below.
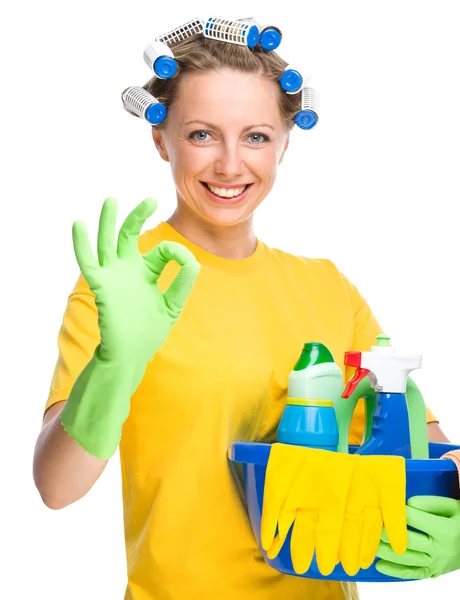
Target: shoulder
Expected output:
[317,273]
[323,267]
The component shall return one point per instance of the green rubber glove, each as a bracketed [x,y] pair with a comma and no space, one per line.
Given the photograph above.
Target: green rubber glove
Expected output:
[435,551]
[134,319]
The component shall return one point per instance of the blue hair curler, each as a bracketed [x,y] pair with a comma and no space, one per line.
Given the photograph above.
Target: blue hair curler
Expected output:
[160,60]
[144,105]
[291,81]
[269,36]
[307,117]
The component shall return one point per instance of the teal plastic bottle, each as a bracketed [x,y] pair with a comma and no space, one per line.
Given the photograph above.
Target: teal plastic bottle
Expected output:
[314,385]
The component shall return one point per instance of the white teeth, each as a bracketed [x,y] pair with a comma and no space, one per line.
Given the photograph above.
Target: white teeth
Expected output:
[226,193]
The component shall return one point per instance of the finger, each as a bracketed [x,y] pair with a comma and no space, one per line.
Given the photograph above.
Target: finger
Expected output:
[351,542]
[332,517]
[327,537]
[83,252]
[393,570]
[275,548]
[423,521]
[132,226]
[410,558]
[160,255]
[286,519]
[393,504]
[106,233]
[436,505]
[176,295]
[291,478]
[372,530]
[278,480]
[303,540]
[420,542]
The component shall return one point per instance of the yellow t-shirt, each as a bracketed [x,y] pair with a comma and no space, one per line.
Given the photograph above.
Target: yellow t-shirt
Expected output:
[220,377]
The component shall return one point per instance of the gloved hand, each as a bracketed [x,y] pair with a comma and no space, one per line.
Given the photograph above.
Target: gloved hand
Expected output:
[377,495]
[134,319]
[338,504]
[433,550]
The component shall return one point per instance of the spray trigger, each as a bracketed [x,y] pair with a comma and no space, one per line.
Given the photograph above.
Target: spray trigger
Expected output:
[352,384]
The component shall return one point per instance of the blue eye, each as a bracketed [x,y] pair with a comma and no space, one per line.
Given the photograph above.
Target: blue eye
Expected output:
[191,136]
[262,135]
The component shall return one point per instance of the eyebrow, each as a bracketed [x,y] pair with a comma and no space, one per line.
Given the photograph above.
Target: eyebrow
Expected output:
[216,127]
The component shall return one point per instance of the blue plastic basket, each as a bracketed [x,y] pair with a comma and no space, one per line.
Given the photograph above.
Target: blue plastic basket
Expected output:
[428,477]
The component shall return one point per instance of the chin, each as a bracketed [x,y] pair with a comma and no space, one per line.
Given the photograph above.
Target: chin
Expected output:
[225,217]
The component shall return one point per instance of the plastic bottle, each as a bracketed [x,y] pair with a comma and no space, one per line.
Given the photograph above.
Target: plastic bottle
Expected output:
[392,432]
[314,385]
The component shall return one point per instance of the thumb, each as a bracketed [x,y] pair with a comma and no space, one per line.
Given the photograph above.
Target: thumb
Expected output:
[436,505]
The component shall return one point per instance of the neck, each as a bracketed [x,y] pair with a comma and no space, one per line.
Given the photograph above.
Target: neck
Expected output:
[233,241]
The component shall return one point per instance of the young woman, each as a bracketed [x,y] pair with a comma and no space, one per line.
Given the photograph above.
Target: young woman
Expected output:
[180,391]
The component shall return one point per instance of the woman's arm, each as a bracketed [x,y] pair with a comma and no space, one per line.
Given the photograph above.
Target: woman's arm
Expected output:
[63,471]
[435,433]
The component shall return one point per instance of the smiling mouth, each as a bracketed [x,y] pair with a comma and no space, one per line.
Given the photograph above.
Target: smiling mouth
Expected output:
[206,185]
[227,200]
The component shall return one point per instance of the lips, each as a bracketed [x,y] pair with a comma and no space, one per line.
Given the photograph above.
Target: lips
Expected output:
[225,187]
[222,201]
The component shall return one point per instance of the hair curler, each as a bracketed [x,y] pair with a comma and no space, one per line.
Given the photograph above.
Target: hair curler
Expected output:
[291,80]
[144,105]
[184,32]
[307,117]
[269,35]
[235,32]
[160,60]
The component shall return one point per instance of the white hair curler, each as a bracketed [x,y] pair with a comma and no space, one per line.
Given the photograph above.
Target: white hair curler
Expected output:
[307,117]
[269,36]
[144,105]
[184,32]
[160,59]
[235,32]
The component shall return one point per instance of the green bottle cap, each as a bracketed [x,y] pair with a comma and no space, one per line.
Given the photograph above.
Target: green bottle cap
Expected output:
[313,353]
[383,340]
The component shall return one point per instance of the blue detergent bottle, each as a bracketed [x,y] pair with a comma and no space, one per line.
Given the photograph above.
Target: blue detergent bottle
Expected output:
[314,385]
[395,409]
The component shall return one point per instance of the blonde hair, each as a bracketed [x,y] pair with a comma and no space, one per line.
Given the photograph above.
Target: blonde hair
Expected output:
[200,54]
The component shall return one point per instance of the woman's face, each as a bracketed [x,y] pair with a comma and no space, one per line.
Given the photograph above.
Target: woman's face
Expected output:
[225,129]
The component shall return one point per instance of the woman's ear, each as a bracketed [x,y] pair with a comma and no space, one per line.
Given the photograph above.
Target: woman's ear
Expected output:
[159,144]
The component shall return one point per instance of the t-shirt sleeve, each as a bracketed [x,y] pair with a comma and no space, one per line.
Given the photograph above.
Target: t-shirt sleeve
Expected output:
[78,338]
[366,330]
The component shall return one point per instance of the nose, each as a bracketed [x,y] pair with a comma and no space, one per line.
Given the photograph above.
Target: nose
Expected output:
[229,161]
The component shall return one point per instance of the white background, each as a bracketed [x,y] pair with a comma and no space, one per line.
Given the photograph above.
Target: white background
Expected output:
[374,187]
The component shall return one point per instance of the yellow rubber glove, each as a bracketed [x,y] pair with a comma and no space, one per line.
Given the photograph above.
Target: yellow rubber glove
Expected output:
[326,495]
[308,486]
[377,497]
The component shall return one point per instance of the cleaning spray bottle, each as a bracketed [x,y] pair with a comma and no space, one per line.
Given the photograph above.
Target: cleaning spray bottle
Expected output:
[309,417]
[396,414]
